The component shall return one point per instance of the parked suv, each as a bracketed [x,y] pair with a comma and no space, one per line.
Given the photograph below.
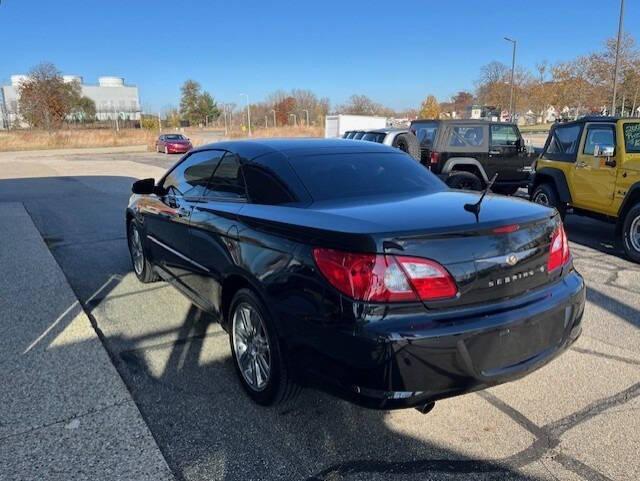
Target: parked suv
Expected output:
[466,154]
[592,165]
[399,138]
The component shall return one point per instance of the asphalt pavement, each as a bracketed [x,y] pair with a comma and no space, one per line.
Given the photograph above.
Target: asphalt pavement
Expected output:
[575,419]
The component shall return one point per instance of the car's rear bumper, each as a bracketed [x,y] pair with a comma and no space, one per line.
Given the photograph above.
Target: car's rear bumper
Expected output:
[178,150]
[392,365]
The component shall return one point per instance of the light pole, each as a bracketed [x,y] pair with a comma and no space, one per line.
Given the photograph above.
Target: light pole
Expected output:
[248,113]
[513,69]
[615,70]
[275,124]
[306,112]
[224,115]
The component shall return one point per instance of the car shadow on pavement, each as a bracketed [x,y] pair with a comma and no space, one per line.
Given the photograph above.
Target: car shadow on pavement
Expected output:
[193,402]
[596,234]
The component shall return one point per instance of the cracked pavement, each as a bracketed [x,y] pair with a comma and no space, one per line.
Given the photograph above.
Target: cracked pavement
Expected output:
[575,419]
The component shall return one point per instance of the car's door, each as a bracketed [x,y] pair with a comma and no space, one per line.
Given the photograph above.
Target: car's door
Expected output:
[168,222]
[213,228]
[505,153]
[593,180]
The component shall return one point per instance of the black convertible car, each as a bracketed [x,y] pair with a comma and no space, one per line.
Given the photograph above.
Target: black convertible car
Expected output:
[348,265]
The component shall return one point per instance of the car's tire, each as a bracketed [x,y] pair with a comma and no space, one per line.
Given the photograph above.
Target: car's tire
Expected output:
[505,190]
[464,181]
[408,143]
[546,194]
[631,233]
[141,265]
[263,372]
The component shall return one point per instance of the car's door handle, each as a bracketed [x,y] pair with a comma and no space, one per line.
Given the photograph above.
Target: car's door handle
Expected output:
[581,165]
[494,152]
[182,212]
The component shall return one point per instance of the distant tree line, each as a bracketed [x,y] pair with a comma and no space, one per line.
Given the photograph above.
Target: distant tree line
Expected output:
[583,85]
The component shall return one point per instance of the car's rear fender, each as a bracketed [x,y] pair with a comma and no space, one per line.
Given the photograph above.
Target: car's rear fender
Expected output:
[455,162]
[554,177]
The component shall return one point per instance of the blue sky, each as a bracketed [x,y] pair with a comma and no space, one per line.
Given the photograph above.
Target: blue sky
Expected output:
[394,52]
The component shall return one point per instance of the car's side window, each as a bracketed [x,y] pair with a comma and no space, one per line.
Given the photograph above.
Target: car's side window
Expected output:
[564,142]
[227,182]
[503,135]
[598,135]
[460,136]
[191,176]
[264,186]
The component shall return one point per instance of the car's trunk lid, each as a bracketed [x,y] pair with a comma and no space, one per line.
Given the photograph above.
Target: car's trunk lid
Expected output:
[501,253]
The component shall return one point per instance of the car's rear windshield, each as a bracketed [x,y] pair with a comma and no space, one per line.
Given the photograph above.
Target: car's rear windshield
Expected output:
[174,137]
[348,175]
[425,132]
[632,137]
[374,137]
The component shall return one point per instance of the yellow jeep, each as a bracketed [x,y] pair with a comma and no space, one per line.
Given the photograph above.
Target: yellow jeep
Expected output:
[592,166]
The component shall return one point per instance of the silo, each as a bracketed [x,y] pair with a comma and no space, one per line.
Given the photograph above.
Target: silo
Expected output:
[17,79]
[72,78]
[111,81]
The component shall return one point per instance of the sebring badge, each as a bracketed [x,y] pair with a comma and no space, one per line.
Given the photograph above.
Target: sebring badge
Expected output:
[512,260]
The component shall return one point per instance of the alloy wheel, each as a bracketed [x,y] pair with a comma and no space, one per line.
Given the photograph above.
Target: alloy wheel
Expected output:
[137,254]
[251,346]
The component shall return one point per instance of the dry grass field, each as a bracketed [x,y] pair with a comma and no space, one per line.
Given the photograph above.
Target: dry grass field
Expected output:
[286,131]
[69,139]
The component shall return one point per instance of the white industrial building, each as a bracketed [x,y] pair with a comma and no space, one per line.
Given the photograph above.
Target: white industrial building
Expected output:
[111,96]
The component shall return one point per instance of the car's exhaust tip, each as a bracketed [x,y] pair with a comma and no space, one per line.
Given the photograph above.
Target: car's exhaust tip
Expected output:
[426,408]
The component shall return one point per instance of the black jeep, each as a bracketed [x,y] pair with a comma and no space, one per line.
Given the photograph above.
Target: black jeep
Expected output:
[466,154]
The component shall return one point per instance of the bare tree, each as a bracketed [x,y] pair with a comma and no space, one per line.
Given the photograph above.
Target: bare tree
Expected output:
[361,105]
[45,99]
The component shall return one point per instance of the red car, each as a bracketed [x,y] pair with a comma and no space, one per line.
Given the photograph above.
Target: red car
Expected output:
[173,144]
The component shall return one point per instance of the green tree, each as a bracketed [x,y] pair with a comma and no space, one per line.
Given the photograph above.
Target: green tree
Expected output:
[84,109]
[196,106]
[430,108]
[207,108]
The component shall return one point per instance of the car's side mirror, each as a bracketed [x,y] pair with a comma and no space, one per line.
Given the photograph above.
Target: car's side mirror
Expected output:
[603,150]
[144,186]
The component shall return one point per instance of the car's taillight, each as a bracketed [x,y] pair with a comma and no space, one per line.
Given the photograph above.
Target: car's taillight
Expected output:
[559,250]
[434,158]
[385,278]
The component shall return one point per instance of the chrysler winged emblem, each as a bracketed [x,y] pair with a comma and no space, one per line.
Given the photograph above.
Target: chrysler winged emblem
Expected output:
[512,260]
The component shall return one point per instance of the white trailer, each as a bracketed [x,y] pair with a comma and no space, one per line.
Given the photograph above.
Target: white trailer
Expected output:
[337,125]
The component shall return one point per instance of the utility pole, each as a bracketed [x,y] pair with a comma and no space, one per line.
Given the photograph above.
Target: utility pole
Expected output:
[513,69]
[615,70]
[224,113]
[275,123]
[248,112]
[159,123]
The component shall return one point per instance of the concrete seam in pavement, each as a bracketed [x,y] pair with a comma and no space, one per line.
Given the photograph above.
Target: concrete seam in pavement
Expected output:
[91,411]
[67,419]
[117,363]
